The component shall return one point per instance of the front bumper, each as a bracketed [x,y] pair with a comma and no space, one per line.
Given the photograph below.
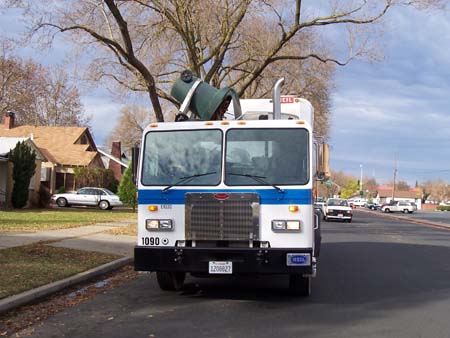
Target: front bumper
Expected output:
[196,260]
[339,217]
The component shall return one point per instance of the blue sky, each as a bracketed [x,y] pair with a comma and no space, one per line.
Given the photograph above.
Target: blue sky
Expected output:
[397,112]
[392,113]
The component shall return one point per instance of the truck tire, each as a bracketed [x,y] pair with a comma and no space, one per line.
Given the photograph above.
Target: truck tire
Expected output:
[387,210]
[406,211]
[299,285]
[170,281]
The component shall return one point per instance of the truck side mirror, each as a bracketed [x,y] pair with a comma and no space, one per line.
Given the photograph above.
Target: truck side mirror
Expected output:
[323,162]
[134,162]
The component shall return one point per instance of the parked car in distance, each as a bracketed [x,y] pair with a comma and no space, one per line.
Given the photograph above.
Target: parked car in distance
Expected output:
[337,208]
[318,208]
[372,206]
[357,202]
[88,196]
[400,206]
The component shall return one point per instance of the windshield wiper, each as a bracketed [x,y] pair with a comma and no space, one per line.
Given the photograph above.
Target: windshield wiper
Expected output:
[187,178]
[259,179]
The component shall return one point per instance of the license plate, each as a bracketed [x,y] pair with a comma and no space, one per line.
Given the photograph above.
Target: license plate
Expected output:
[216,267]
[340,215]
[298,259]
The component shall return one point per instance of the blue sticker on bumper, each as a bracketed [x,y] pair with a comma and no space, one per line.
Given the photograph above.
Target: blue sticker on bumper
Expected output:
[298,259]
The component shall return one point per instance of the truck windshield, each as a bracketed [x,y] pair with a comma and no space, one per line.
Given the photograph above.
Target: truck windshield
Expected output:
[279,155]
[170,156]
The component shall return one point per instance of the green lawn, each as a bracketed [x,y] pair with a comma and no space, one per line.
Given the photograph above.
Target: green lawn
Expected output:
[27,267]
[47,219]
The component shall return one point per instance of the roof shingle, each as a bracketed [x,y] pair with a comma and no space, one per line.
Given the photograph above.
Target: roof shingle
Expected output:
[56,143]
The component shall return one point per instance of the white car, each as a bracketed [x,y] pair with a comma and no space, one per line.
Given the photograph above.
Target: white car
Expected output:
[405,207]
[101,197]
[337,208]
[357,202]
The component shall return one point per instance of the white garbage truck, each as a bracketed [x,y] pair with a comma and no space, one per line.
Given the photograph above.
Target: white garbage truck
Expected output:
[232,196]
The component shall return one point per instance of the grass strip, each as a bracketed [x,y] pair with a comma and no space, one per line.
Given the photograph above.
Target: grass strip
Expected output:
[128,230]
[27,267]
[32,220]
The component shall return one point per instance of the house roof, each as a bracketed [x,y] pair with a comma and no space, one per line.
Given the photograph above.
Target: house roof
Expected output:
[387,192]
[9,143]
[57,143]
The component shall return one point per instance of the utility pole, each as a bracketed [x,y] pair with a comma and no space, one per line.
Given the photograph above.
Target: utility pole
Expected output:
[360,181]
[393,188]
[395,176]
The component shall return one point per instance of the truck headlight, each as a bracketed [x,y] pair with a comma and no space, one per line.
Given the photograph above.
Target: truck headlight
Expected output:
[293,225]
[282,225]
[158,224]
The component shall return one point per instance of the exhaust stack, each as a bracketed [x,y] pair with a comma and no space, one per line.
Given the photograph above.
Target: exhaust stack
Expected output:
[277,99]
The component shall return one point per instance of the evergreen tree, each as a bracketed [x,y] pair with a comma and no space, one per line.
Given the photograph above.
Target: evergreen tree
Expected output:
[24,160]
[127,188]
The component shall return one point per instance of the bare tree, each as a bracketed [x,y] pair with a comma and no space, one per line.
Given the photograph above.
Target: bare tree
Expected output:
[38,95]
[143,44]
[437,190]
[130,126]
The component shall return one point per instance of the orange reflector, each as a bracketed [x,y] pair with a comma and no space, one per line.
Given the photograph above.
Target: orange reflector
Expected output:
[208,123]
[297,100]
[300,122]
[225,123]
[293,208]
[242,122]
[153,208]
[153,125]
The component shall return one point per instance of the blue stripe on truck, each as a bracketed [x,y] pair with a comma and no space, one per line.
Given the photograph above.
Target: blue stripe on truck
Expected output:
[266,196]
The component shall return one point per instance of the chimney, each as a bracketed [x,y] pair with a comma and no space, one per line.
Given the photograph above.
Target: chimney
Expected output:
[9,120]
[116,151]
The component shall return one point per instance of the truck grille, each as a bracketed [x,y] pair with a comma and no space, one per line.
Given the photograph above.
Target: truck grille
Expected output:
[234,218]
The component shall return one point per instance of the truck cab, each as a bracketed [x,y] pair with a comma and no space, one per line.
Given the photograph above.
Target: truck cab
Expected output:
[230,197]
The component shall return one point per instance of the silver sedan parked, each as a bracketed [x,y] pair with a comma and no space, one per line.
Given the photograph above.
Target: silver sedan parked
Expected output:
[101,197]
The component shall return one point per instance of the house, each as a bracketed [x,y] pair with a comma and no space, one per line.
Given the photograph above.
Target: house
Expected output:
[6,169]
[64,148]
[384,195]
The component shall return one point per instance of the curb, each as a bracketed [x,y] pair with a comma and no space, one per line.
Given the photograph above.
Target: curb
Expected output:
[23,298]
[422,222]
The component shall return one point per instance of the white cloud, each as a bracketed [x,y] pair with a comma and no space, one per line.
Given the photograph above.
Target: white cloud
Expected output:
[104,114]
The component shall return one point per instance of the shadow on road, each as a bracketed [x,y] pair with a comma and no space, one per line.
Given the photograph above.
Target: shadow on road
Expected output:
[349,273]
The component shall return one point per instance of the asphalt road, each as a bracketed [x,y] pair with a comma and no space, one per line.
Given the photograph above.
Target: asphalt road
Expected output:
[377,277]
[432,216]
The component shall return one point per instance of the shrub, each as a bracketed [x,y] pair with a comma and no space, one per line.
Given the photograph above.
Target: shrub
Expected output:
[443,208]
[24,160]
[127,188]
[44,196]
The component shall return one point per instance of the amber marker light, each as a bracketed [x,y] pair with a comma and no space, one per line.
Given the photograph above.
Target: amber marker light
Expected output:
[153,125]
[225,123]
[208,123]
[300,122]
[293,208]
[242,123]
[297,100]
[153,208]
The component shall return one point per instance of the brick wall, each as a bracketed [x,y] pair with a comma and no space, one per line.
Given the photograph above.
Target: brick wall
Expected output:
[429,207]
[116,151]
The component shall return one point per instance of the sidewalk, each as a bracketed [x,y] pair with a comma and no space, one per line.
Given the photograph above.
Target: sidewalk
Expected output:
[88,238]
